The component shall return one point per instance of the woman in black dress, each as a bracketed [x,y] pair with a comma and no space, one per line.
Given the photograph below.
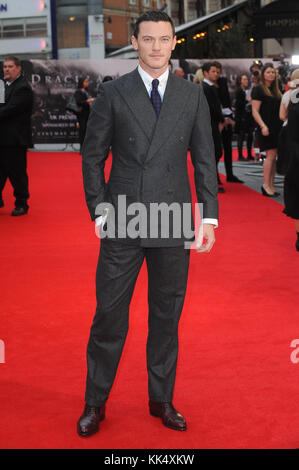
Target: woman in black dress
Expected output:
[243,118]
[83,99]
[291,183]
[266,99]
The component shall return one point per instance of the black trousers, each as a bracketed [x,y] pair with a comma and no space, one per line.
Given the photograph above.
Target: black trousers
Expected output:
[241,137]
[227,136]
[117,271]
[13,166]
[82,129]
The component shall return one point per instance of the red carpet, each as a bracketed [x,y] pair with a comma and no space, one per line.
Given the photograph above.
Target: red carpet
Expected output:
[236,384]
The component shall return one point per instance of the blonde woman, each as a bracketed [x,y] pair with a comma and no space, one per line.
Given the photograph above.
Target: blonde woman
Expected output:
[266,98]
[198,77]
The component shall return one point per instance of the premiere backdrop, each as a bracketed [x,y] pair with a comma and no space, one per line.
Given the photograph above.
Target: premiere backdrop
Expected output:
[54,81]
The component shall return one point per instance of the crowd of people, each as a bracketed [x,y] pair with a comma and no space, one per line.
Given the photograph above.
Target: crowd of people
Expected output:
[257,114]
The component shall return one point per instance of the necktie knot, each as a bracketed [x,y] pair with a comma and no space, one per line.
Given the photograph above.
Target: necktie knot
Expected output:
[155,84]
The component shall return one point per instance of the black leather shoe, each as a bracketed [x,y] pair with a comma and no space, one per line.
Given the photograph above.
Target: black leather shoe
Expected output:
[234,179]
[297,245]
[1,202]
[170,416]
[19,211]
[88,423]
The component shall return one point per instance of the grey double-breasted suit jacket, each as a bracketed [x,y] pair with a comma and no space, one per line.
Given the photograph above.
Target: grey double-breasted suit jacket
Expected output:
[149,162]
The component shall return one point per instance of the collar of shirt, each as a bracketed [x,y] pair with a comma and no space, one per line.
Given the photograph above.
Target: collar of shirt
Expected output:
[9,83]
[208,82]
[147,80]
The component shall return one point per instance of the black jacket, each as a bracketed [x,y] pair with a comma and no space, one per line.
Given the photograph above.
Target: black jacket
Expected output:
[211,94]
[81,100]
[149,156]
[15,115]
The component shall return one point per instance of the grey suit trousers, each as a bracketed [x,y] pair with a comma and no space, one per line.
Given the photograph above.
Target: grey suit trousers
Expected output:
[117,272]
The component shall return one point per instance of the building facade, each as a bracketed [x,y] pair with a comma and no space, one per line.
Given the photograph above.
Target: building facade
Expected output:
[25,29]
[93,29]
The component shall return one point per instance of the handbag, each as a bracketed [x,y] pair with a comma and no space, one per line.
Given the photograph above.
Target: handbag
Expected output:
[72,106]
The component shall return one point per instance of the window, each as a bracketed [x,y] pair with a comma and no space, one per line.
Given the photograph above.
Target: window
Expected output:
[13,31]
[72,31]
[12,28]
[132,2]
[146,3]
[23,27]
[36,27]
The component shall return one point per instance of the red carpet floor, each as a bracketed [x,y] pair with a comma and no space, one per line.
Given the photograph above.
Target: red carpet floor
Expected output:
[236,384]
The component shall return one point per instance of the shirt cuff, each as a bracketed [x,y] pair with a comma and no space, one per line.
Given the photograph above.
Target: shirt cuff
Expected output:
[210,221]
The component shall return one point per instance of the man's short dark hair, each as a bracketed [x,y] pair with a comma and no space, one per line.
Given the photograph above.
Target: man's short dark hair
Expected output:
[207,65]
[14,59]
[153,15]
[217,64]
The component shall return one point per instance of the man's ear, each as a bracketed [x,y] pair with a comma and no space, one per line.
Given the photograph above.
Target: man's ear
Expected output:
[174,42]
[134,43]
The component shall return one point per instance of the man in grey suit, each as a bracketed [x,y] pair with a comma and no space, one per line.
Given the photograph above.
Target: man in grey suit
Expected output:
[150,118]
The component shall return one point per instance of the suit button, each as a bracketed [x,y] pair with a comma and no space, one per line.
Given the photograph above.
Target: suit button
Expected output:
[170,191]
[131,139]
[181,139]
[145,167]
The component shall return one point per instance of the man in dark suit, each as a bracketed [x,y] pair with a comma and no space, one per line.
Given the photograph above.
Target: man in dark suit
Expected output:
[217,119]
[15,133]
[150,118]
[227,131]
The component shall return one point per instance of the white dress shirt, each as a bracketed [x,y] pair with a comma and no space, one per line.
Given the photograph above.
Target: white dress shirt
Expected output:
[147,80]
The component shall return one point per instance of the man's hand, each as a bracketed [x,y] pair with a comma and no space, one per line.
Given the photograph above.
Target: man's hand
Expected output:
[205,239]
[97,231]
[100,222]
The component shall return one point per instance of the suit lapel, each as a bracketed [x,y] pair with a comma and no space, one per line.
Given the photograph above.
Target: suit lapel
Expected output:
[174,102]
[135,94]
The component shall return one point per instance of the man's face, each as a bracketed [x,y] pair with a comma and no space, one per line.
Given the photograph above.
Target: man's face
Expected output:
[155,43]
[212,74]
[10,70]
[180,73]
[218,72]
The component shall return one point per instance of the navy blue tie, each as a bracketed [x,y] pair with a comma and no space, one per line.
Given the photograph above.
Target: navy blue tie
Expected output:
[155,97]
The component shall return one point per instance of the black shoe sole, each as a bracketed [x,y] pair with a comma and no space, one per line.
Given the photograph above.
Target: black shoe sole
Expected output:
[168,425]
[19,215]
[86,434]
[90,433]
